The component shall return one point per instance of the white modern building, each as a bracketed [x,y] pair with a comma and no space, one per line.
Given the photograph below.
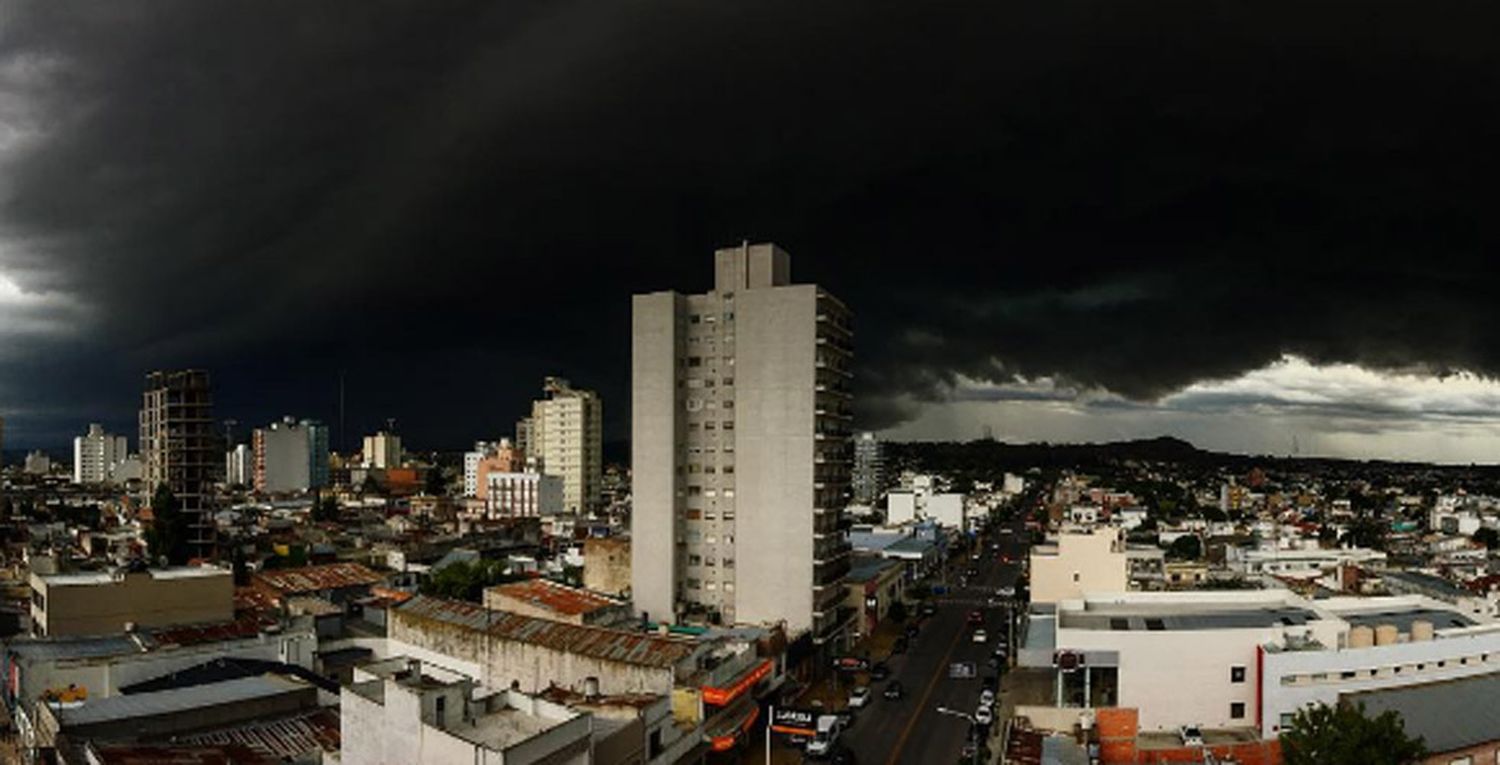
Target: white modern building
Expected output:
[1306,562]
[741,448]
[923,503]
[567,432]
[37,463]
[95,455]
[523,495]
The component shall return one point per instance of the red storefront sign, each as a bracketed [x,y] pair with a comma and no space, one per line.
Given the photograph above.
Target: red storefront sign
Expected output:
[721,696]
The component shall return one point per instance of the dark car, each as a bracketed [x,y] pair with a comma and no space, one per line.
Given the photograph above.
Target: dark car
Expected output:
[880,671]
[899,646]
[929,610]
[991,683]
[911,630]
[842,755]
[894,692]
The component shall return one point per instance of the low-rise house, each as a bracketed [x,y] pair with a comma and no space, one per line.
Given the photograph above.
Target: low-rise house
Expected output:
[104,602]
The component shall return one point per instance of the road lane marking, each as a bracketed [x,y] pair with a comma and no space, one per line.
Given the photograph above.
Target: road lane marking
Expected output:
[921,705]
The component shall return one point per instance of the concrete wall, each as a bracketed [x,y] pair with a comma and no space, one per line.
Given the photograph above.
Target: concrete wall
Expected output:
[1291,680]
[1083,563]
[497,663]
[606,565]
[139,598]
[656,332]
[776,378]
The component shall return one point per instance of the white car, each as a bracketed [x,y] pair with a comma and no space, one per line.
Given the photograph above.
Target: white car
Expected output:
[859,697]
[1006,592]
[980,636]
[1191,735]
[829,728]
[987,698]
[984,715]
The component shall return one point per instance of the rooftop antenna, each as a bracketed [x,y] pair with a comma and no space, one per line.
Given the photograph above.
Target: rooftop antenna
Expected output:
[390,424]
[343,436]
[229,432]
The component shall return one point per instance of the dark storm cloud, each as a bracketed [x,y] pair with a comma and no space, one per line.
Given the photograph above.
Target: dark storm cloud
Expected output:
[451,200]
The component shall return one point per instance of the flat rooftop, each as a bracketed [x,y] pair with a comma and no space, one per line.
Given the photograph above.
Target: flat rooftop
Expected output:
[96,578]
[1147,618]
[1404,617]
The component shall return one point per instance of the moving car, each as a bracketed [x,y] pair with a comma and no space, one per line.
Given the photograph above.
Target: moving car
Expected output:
[880,671]
[929,610]
[980,636]
[1191,735]
[859,696]
[894,692]
[976,617]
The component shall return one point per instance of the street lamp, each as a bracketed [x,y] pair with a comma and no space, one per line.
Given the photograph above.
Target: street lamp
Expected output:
[972,722]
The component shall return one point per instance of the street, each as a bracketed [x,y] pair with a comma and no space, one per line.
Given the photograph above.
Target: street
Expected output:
[912,730]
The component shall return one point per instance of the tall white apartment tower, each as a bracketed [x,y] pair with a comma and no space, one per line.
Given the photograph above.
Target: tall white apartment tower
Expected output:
[740,448]
[95,455]
[567,437]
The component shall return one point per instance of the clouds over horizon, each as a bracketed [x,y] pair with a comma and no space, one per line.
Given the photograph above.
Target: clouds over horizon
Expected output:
[448,206]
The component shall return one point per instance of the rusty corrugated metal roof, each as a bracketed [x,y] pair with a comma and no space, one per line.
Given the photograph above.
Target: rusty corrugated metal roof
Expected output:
[559,598]
[595,642]
[331,576]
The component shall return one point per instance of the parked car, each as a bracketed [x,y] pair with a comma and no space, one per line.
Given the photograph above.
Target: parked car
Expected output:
[859,696]
[991,682]
[929,610]
[829,728]
[987,698]
[880,671]
[1191,735]
[984,715]
[980,636]
[894,692]
[1006,592]
[899,646]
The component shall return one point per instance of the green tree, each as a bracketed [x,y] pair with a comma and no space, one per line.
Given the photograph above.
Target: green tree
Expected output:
[1487,537]
[467,580]
[436,485]
[169,533]
[1345,735]
[1185,547]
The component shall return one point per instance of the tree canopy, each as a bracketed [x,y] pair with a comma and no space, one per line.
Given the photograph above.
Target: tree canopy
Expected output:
[1346,735]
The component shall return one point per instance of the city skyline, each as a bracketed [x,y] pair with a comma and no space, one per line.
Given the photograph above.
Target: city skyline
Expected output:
[1054,225]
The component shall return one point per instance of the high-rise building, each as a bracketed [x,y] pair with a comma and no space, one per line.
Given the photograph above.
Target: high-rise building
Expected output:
[96,454]
[567,436]
[179,447]
[2,443]
[526,436]
[239,466]
[290,456]
[869,469]
[382,450]
[740,448]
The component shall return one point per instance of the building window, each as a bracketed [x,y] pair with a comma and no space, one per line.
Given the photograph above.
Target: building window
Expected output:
[1236,674]
[1286,720]
[1237,710]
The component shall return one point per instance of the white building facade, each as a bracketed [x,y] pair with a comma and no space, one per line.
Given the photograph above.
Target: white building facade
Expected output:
[741,448]
[96,454]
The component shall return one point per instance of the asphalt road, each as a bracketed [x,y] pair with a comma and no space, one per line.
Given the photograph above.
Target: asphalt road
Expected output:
[912,730]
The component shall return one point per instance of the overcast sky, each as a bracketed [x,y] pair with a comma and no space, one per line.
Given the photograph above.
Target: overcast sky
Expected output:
[1240,223]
